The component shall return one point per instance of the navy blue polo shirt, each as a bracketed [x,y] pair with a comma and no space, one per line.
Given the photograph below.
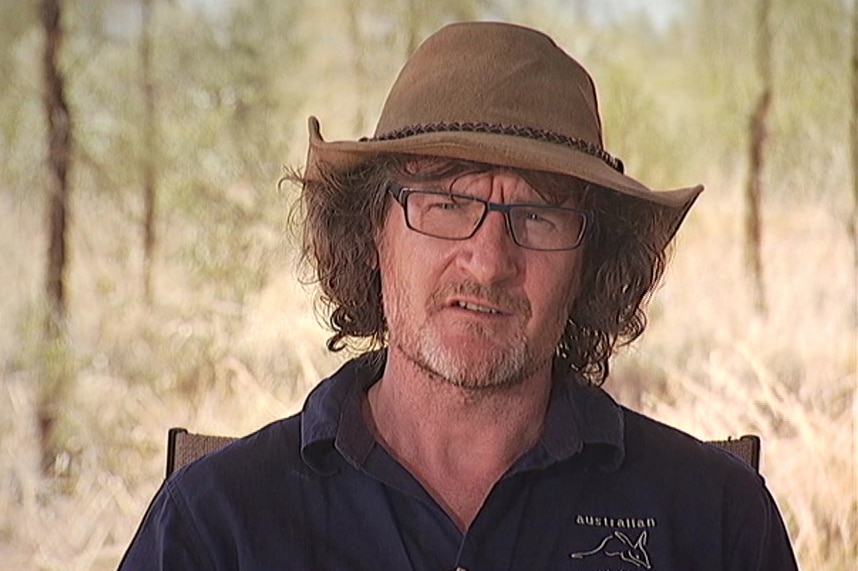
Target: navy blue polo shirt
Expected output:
[605,489]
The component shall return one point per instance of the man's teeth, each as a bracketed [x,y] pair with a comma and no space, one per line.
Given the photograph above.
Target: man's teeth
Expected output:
[474,307]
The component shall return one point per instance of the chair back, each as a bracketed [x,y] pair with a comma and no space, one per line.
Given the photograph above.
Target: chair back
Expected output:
[746,447]
[184,447]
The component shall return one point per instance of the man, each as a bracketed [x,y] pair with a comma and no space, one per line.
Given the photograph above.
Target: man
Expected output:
[494,255]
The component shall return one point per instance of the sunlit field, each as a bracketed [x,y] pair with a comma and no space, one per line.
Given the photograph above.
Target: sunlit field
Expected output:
[707,364]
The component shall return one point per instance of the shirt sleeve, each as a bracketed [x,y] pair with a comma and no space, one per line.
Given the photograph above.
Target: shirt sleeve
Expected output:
[167,539]
[761,542]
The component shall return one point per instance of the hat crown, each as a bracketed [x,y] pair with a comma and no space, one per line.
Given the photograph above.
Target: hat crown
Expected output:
[456,76]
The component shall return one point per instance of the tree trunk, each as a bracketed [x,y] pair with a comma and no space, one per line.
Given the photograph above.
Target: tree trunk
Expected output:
[150,151]
[55,379]
[854,141]
[757,149]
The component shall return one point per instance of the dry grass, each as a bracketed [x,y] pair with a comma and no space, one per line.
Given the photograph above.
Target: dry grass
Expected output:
[707,364]
[790,375]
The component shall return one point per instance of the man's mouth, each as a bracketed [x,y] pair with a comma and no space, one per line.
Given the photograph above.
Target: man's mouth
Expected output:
[476,307]
[486,301]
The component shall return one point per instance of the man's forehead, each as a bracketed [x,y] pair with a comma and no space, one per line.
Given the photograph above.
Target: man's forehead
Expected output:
[553,187]
[439,169]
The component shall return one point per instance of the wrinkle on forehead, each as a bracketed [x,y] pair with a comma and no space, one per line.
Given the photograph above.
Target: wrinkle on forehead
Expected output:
[553,188]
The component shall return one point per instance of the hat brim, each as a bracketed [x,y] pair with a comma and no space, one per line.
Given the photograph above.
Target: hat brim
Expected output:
[504,151]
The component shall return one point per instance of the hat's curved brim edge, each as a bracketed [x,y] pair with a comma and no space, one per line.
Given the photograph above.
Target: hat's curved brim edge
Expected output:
[501,150]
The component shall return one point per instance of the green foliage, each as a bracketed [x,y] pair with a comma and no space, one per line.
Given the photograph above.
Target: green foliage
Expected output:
[811,96]
[233,87]
[16,20]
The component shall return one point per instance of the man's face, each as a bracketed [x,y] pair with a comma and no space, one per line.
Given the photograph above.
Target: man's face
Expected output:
[481,312]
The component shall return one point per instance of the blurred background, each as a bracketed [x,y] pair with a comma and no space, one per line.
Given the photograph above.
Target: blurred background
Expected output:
[149,268]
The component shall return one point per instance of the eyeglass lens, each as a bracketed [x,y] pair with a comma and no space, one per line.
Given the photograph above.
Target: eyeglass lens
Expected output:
[458,217]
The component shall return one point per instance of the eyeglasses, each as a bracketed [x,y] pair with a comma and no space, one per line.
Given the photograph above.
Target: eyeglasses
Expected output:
[457,217]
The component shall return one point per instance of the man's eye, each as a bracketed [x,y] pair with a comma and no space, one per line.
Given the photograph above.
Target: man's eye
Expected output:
[445,203]
[536,217]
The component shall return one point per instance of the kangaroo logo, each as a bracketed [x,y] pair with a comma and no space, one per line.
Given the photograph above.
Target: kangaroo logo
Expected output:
[619,545]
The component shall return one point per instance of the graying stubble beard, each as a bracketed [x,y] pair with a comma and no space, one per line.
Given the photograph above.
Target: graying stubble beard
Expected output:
[503,369]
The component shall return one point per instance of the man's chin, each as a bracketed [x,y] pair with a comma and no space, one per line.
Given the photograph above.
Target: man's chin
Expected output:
[477,366]
[473,342]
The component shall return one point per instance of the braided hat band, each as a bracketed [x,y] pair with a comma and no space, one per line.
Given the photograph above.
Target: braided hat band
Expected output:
[512,130]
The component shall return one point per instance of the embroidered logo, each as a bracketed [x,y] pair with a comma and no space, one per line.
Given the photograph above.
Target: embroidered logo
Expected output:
[618,544]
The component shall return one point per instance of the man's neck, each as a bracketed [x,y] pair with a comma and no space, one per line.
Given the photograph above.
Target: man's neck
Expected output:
[457,442]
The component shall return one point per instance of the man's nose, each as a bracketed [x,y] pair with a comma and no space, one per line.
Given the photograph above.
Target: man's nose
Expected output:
[491,255]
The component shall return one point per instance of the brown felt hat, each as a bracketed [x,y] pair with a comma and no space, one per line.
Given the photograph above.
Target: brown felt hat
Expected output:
[500,94]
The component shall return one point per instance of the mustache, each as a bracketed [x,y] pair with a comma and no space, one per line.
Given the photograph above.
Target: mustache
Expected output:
[496,296]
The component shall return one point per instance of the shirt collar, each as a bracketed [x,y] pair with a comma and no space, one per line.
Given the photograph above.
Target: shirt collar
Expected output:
[332,419]
[578,419]
[582,418]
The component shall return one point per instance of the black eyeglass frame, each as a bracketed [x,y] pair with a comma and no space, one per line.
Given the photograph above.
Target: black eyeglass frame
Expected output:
[401,193]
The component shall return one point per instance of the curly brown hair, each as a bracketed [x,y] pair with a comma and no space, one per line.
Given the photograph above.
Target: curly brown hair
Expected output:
[624,256]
